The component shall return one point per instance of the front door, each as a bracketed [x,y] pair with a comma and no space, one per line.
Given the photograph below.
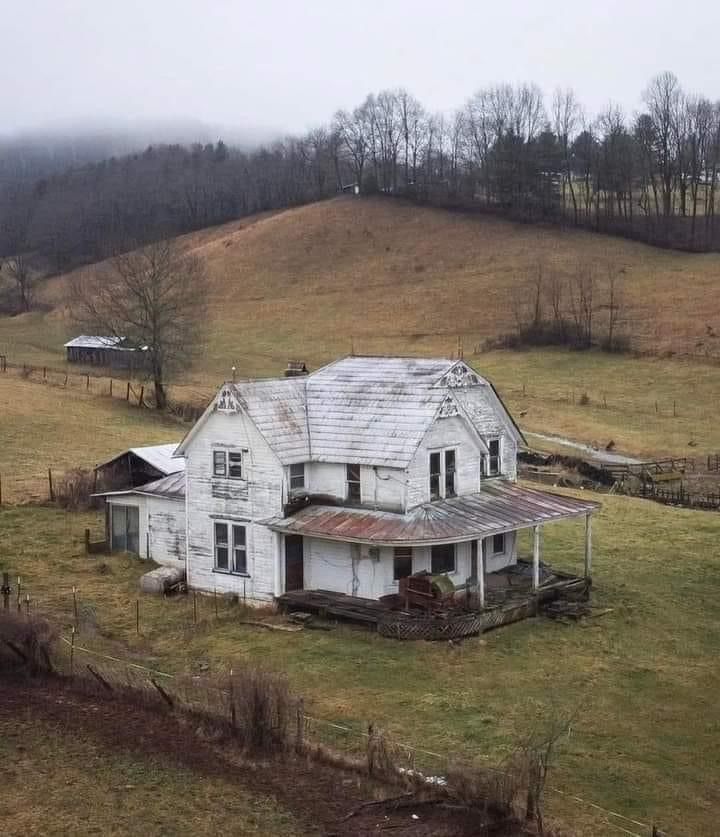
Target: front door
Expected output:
[294,563]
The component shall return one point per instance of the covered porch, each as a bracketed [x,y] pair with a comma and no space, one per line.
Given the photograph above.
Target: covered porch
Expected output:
[472,540]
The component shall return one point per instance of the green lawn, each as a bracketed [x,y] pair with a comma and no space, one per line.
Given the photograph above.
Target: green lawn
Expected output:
[641,680]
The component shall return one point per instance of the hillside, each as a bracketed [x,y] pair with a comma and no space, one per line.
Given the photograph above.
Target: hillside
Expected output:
[382,276]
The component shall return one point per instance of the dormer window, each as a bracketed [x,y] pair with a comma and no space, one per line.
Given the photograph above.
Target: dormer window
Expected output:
[297,476]
[228,464]
[442,474]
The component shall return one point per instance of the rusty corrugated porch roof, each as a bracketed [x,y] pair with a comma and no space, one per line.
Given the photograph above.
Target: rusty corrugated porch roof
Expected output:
[499,507]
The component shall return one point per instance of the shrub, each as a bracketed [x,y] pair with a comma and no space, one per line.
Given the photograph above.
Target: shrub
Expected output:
[74,489]
[584,400]
[25,643]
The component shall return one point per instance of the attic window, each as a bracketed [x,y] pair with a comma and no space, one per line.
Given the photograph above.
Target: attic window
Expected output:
[228,463]
[442,474]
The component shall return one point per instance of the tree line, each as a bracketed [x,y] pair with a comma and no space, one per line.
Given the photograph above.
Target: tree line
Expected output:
[508,150]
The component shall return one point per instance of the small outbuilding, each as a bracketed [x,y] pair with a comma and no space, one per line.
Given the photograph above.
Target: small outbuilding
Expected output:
[115,352]
[138,466]
[149,520]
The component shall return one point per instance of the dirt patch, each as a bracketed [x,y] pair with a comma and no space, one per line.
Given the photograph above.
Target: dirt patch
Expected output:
[328,800]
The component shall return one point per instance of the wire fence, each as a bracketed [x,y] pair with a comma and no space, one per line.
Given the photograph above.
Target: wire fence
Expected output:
[356,743]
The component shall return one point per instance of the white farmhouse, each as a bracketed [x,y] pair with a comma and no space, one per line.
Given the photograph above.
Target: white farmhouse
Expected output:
[351,477]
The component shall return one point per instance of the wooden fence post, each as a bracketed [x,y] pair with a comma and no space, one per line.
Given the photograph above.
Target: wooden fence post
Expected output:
[50,485]
[231,691]
[194,607]
[127,396]
[66,377]
[300,726]
[27,605]
[111,387]
[0,489]
[75,608]
[137,615]
[142,394]
[19,600]
[72,651]
[5,590]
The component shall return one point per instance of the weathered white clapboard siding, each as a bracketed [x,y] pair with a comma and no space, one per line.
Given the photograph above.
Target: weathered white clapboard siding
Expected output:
[379,486]
[351,569]
[166,531]
[445,433]
[211,499]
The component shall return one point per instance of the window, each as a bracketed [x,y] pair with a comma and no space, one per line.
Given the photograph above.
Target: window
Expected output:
[402,562]
[493,460]
[442,474]
[228,464]
[235,465]
[442,559]
[353,483]
[297,476]
[219,464]
[239,550]
[230,556]
[498,544]
[435,476]
[222,561]
[449,473]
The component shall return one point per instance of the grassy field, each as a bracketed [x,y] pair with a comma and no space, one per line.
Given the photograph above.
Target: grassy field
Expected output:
[383,276]
[59,784]
[43,427]
[641,680]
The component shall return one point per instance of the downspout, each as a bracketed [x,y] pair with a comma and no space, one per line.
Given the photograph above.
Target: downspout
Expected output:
[187,525]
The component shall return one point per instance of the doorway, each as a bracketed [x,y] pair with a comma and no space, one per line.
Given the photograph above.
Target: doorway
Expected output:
[294,563]
[125,529]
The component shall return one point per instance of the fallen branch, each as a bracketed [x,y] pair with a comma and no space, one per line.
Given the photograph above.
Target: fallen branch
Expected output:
[356,811]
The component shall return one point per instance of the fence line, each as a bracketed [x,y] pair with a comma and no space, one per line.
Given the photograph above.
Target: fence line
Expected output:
[362,735]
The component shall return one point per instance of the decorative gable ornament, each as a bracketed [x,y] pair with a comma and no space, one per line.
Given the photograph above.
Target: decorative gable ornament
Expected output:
[460,375]
[226,401]
[448,408]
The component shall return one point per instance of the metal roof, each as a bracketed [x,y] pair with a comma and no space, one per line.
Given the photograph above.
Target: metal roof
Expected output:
[500,507]
[86,341]
[364,410]
[160,457]
[171,487]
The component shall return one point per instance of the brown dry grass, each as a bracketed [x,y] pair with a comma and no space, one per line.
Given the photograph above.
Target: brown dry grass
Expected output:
[384,276]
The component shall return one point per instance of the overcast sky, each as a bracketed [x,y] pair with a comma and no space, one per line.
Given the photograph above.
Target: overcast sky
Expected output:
[290,65]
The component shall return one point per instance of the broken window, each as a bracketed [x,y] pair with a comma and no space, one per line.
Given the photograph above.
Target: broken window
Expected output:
[219,464]
[442,474]
[402,562]
[353,482]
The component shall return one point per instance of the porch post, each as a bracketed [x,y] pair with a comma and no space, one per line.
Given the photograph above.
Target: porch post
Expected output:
[277,575]
[536,557]
[588,545]
[481,571]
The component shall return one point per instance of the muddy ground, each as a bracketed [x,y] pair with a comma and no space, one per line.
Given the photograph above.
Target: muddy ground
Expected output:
[329,801]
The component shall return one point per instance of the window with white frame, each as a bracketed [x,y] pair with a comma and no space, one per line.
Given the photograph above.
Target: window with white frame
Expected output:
[492,462]
[352,475]
[442,474]
[231,548]
[229,464]
[297,476]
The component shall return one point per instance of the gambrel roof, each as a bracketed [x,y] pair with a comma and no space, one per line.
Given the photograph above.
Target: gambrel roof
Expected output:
[364,410]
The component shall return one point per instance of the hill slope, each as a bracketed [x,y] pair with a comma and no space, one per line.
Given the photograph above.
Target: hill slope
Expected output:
[382,276]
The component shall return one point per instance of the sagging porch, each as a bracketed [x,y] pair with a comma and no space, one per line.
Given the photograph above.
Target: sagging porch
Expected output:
[449,557]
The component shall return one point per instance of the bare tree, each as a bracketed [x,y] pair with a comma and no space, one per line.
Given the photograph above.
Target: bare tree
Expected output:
[154,298]
[21,276]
